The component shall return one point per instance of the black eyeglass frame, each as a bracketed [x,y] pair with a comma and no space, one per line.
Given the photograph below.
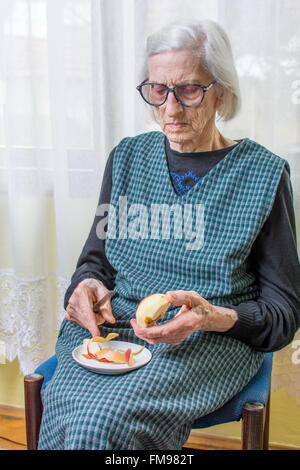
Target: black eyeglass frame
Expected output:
[172,89]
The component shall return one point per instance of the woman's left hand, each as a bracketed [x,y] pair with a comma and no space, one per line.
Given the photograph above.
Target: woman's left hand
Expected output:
[195,314]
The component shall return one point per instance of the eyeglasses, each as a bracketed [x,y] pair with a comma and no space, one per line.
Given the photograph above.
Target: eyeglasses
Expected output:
[187,94]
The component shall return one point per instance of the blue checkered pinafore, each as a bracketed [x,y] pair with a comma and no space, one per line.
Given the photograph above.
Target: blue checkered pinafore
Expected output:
[202,244]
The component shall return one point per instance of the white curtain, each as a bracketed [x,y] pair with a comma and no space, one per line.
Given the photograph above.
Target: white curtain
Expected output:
[68,71]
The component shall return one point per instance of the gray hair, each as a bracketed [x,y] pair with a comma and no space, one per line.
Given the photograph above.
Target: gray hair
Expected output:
[208,41]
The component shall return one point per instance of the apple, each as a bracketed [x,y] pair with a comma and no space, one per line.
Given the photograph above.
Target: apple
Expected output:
[150,309]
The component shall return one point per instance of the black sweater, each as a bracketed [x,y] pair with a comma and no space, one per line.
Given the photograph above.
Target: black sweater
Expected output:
[269,323]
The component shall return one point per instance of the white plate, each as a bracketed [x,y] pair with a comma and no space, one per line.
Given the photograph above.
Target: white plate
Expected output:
[108,368]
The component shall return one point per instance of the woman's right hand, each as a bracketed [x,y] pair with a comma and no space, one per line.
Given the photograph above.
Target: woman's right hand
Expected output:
[80,306]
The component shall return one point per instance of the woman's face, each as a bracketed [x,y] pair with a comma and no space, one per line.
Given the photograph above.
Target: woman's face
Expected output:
[184,127]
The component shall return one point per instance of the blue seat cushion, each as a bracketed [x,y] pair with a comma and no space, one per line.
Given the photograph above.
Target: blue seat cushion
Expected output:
[256,391]
[47,369]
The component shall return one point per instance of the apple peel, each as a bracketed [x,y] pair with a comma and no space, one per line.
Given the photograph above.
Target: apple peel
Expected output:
[101,339]
[133,353]
[114,356]
[137,351]
[93,351]
[87,356]
[92,348]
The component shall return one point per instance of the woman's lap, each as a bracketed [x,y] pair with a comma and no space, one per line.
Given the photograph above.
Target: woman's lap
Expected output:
[150,408]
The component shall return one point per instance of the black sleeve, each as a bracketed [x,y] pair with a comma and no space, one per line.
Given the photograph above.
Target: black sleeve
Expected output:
[92,262]
[270,322]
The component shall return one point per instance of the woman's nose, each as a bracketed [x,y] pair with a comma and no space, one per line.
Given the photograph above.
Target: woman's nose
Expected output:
[172,105]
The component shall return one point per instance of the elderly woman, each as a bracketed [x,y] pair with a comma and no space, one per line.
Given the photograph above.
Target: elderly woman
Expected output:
[234,292]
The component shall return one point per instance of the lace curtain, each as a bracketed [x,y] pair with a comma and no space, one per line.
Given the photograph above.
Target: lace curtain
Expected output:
[68,73]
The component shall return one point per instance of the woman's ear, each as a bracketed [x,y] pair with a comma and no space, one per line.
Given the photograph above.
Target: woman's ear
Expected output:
[220,98]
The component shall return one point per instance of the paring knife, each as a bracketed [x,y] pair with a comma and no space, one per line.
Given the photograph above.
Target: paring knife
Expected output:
[107,296]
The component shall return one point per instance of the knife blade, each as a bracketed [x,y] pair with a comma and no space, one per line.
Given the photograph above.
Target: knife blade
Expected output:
[109,295]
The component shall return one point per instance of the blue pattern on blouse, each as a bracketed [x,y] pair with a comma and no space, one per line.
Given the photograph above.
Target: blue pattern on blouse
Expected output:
[182,183]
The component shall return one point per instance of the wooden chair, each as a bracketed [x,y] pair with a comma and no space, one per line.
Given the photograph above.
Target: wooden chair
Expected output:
[251,405]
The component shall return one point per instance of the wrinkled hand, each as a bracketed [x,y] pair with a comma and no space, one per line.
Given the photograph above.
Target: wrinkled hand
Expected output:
[195,314]
[81,302]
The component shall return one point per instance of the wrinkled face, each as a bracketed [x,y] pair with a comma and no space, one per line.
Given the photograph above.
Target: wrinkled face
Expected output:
[183,125]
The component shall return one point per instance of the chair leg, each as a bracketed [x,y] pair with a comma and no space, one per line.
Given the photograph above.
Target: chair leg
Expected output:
[253,426]
[33,408]
[267,424]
